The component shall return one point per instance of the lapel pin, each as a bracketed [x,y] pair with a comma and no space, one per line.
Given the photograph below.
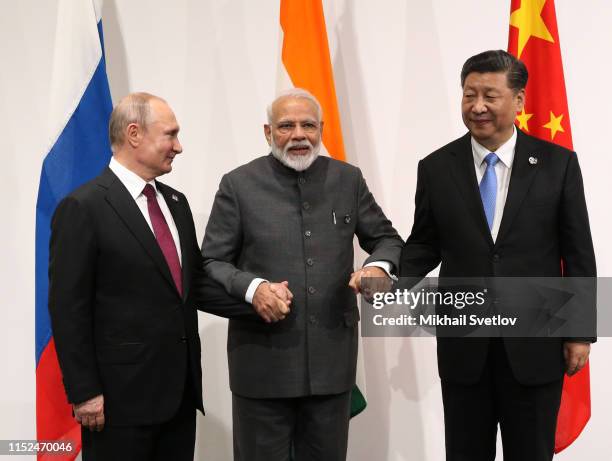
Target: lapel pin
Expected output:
[533,160]
[175,198]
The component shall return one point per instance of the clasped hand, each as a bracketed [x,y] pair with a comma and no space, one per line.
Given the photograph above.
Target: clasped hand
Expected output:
[272,301]
[369,280]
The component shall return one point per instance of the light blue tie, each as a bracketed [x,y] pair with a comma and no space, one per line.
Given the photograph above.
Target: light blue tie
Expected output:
[488,188]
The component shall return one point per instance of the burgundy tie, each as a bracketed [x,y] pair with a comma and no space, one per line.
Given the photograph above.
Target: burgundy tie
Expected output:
[163,236]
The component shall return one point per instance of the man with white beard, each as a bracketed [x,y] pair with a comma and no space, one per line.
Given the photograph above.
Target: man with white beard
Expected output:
[280,236]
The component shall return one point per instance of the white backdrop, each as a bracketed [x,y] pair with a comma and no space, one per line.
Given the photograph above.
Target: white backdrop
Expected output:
[396,67]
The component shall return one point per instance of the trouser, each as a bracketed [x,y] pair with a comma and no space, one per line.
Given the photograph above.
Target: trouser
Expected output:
[527,415]
[313,427]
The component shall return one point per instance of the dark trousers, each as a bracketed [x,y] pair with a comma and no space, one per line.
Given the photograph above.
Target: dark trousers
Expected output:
[527,415]
[314,427]
[171,440]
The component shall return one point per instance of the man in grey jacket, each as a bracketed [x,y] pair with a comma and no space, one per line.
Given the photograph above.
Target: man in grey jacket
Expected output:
[280,236]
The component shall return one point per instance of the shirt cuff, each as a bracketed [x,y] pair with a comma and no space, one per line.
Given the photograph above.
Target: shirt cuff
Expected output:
[248,297]
[384,265]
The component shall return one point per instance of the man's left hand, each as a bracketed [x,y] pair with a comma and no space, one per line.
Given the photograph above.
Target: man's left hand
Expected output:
[378,280]
[576,356]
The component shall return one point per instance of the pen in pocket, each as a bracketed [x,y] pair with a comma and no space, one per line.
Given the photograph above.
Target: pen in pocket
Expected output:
[334,216]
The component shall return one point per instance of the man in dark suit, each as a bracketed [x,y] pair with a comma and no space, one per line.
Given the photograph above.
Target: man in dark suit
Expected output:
[499,203]
[280,236]
[123,261]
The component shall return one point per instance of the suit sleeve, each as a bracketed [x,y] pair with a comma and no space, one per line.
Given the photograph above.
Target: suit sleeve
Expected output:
[375,232]
[223,242]
[576,243]
[72,266]
[209,295]
[421,252]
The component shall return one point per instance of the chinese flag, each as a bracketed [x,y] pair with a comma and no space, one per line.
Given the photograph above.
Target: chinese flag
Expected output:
[534,38]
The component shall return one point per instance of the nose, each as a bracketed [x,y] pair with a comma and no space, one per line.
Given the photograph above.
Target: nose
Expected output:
[298,132]
[177,147]
[479,105]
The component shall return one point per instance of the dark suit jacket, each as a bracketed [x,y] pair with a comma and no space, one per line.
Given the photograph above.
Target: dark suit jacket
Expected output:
[121,328]
[272,222]
[544,221]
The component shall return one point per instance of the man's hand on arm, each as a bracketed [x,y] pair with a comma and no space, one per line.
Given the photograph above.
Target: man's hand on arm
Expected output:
[576,356]
[271,301]
[377,280]
[90,414]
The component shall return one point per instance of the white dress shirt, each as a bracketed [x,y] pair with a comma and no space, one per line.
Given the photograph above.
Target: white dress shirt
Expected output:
[135,185]
[503,168]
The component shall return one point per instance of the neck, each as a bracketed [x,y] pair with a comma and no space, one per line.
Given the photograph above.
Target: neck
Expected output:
[124,160]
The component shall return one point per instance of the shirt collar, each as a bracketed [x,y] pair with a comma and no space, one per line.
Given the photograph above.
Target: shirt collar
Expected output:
[505,152]
[132,182]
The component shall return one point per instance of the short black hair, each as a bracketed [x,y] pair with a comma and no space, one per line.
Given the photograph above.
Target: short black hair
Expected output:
[497,61]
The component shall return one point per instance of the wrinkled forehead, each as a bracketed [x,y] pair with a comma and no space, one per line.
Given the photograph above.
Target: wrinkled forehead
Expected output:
[294,109]
[487,80]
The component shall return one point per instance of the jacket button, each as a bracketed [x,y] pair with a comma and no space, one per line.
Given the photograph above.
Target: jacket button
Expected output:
[496,257]
[184,339]
[302,180]
[307,233]
[310,261]
[306,206]
[312,319]
[312,290]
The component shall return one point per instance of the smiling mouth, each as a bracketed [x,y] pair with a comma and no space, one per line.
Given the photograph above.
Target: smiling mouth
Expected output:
[299,150]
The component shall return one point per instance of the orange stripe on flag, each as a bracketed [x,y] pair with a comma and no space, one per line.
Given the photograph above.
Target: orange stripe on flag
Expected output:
[305,56]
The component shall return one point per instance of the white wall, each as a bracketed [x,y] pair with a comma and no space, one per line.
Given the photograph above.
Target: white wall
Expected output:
[396,66]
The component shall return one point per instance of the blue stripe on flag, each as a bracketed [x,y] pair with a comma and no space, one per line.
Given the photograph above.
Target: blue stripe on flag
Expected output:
[79,154]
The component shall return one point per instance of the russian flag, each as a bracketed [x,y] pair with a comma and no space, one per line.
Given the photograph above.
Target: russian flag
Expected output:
[79,150]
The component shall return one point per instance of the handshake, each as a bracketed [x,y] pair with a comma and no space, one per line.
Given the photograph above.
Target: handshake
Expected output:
[272,300]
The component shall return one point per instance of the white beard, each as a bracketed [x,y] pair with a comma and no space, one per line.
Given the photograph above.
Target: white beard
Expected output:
[296,162]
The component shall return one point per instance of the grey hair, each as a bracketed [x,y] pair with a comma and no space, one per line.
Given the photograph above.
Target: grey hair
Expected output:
[133,108]
[295,93]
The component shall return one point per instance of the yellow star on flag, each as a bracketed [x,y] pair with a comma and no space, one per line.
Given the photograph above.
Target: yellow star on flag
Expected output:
[523,118]
[528,20]
[554,125]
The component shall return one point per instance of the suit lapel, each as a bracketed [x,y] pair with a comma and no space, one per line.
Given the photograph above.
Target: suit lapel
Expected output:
[175,204]
[523,174]
[124,205]
[464,174]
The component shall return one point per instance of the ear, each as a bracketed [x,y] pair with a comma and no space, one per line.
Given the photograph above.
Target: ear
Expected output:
[520,100]
[321,127]
[132,135]
[268,134]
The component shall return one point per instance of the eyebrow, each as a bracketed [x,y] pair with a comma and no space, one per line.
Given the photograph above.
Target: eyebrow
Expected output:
[292,120]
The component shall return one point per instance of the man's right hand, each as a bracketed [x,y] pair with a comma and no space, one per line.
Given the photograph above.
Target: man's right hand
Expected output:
[272,300]
[90,414]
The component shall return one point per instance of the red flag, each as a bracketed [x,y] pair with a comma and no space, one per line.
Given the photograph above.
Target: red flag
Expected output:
[534,39]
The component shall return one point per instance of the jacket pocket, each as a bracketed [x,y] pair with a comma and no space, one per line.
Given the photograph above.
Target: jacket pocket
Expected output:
[122,353]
